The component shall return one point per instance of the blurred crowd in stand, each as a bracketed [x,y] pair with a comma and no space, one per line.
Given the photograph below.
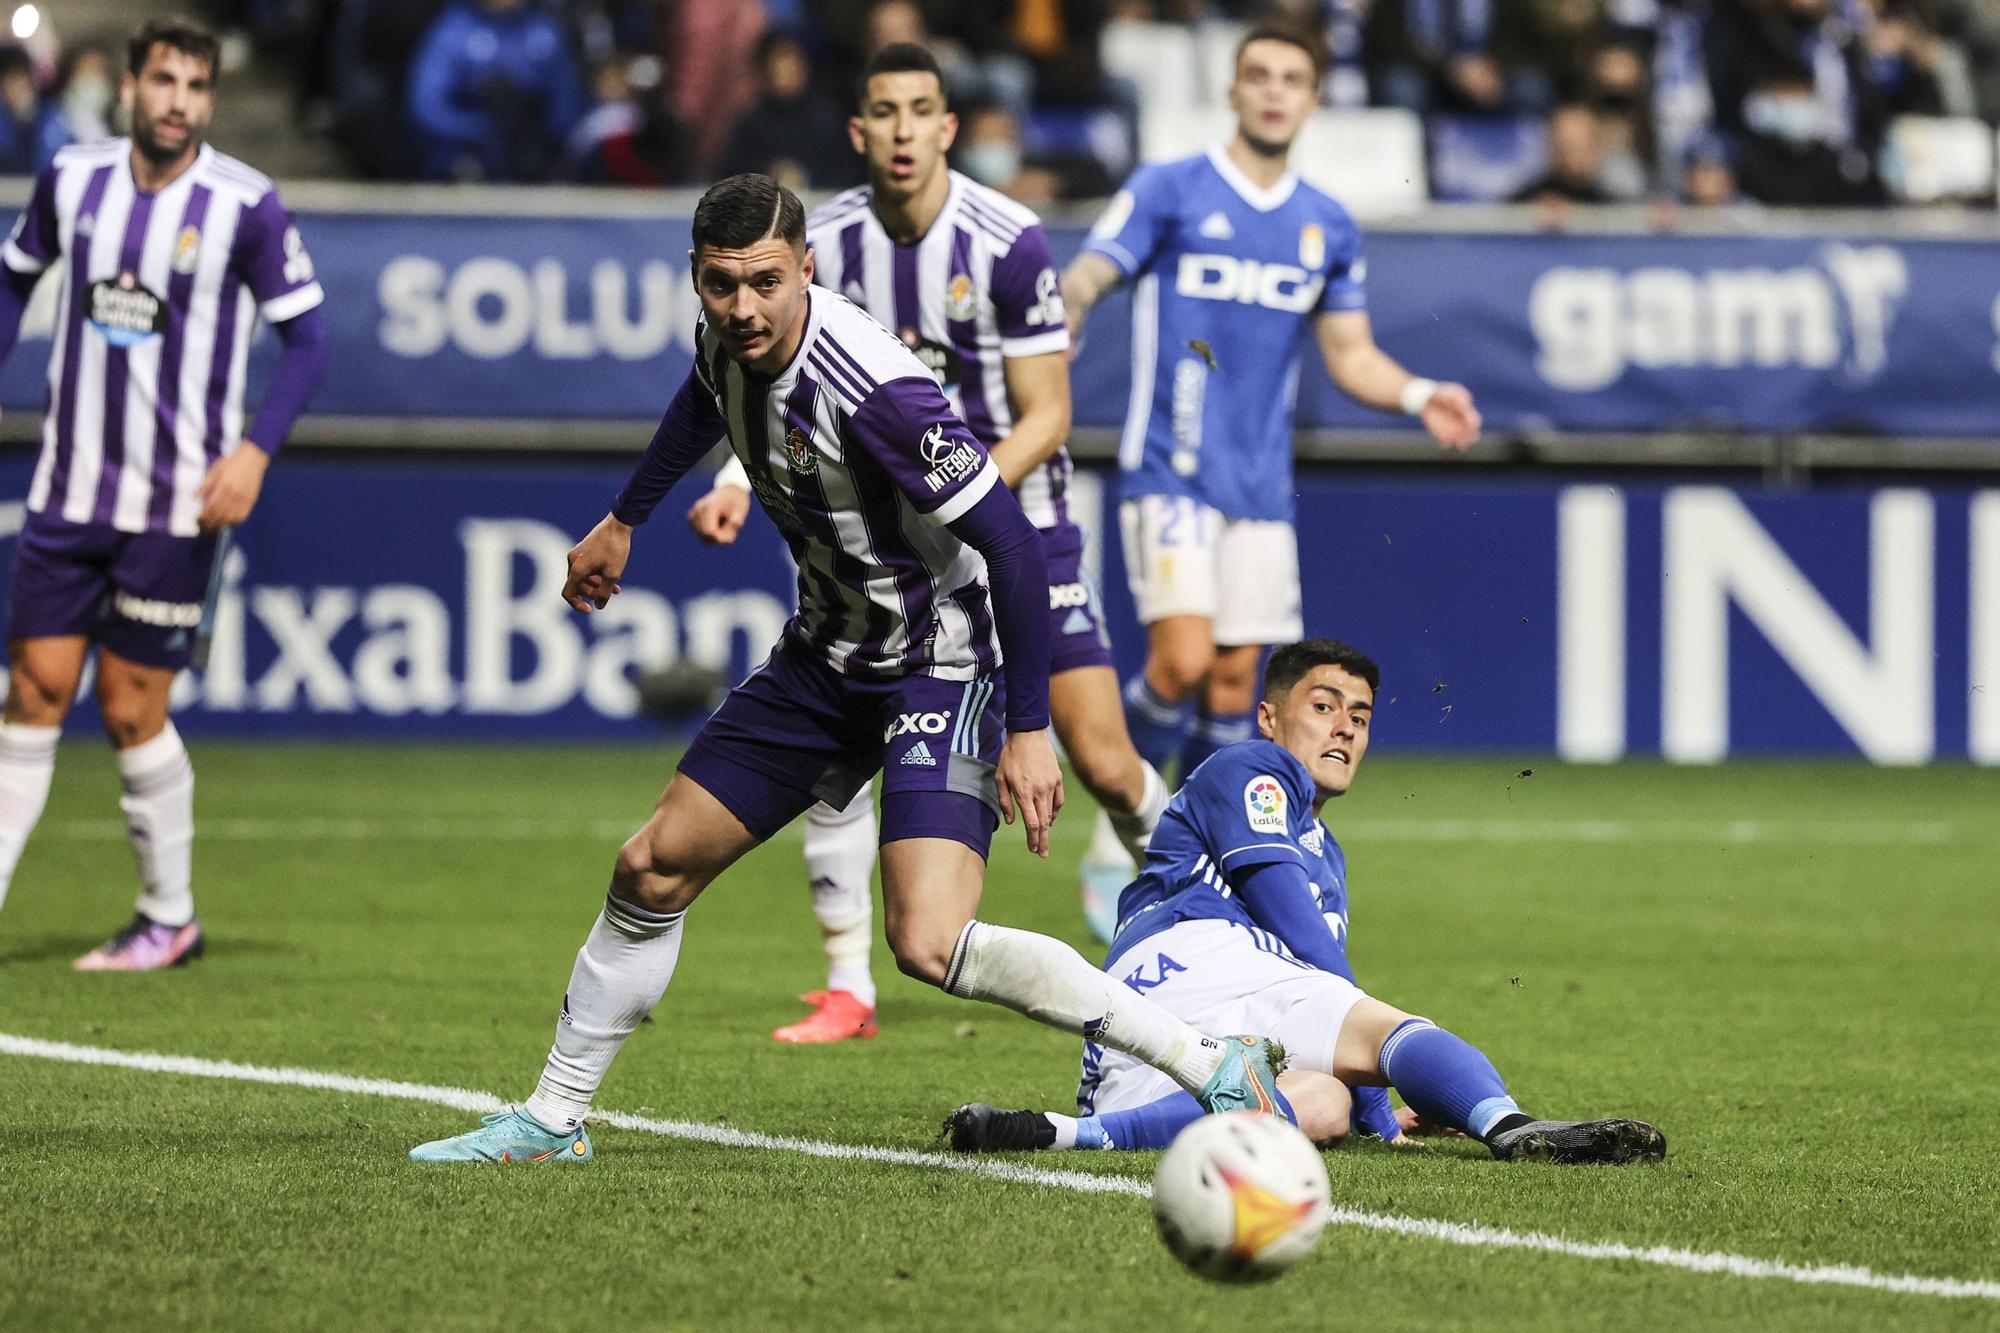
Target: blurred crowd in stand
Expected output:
[1714,102]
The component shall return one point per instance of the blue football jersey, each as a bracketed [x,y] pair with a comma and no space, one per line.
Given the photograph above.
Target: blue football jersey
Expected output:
[1226,278]
[1248,804]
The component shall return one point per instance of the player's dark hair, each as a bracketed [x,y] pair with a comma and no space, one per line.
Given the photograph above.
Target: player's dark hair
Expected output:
[1291,663]
[1274,30]
[739,211]
[899,58]
[183,35]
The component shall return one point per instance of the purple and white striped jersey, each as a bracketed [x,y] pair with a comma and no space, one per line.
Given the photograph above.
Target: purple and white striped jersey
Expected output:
[861,463]
[160,295]
[980,286]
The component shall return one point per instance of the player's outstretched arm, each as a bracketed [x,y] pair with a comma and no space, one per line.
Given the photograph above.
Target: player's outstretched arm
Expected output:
[1028,776]
[686,433]
[1089,278]
[1372,377]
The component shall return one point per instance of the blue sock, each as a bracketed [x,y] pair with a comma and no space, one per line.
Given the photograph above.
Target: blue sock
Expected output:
[1210,733]
[1445,1078]
[1153,1125]
[1157,727]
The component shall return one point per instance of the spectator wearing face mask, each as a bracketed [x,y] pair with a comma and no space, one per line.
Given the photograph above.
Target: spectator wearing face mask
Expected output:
[1793,90]
[86,93]
[1619,95]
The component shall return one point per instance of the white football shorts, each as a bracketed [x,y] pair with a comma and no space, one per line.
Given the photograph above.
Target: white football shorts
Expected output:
[1221,978]
[1183,558]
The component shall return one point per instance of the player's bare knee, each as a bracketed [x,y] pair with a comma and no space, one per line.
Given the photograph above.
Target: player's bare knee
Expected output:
[921,953]
[1322,1119]
[1177,669]
[1323,1104]
[647,878]
[1357,1055]
[1109,771]
[36,698]
[130,719]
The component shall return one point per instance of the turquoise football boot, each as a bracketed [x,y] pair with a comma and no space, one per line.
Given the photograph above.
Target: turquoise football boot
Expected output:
[1248,1077]
[508,1136]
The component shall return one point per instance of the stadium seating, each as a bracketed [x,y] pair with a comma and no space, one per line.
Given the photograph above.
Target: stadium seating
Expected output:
[1933,159]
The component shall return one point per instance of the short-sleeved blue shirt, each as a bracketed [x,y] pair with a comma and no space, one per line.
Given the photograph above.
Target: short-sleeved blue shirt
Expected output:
[1225,277]
[1248,804]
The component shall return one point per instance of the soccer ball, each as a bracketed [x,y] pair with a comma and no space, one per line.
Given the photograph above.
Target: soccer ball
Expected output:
[1240,1197]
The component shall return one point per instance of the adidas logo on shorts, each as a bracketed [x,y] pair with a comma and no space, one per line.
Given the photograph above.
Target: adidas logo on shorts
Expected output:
[1079,622]
[919,756]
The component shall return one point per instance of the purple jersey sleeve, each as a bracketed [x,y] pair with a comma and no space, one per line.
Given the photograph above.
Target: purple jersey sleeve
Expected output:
[907,426]
[1027,298]
[37,237]
[273,262]
[1017,583]
[301,367]
[687,432]
[1346,274]
[1134,225]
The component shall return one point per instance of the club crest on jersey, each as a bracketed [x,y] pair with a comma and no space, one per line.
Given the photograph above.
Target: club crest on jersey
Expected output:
[1312,246]
[187,250]
[799,452]
[1264,803]
[959,301]
[125,312]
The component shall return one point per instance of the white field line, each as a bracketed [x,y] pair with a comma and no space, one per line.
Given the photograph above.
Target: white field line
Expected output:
[1079,1182]
[1691,834]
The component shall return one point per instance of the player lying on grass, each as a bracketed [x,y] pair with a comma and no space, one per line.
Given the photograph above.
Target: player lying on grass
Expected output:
[1240,919]
[920,648]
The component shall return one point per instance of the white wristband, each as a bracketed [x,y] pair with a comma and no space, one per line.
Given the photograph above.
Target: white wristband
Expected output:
[732,473]
[1417,395]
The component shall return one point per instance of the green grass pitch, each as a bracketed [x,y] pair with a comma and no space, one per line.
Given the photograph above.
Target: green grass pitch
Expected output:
[1787,967]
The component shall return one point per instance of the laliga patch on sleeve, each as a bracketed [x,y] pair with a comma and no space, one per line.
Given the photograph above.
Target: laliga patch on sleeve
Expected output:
[1264,803]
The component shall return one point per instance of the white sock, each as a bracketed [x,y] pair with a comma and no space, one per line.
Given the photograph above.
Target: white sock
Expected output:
[840,862]
[159,817]
[1065,1126]
[1134,830]
[27,762]
[1051,983]
[621,972]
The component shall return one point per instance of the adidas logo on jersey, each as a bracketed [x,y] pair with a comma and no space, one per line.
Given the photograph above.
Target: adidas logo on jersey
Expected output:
[1216,228]
[919,756]
[1079,622]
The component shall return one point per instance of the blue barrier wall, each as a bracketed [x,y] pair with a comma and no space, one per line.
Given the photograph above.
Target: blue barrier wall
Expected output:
[376,599]
[568,317]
